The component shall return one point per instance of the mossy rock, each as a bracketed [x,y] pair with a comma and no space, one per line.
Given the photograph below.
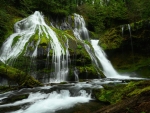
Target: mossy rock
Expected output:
[14,98]
[44,41]
[111,39]
[17,76]
[127,49]
[89,72]
[118,92]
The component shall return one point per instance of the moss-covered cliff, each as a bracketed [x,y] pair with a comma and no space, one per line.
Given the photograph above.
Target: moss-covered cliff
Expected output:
[127,46]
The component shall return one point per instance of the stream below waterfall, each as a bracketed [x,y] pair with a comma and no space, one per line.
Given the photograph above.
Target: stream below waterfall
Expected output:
[56,98]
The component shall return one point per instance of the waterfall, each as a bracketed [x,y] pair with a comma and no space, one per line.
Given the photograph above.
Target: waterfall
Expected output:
[129,27]
[81,33]
[30,34]
[98,56]
[122,29]
[25,30]
[80,30]
[109,71]
[76,74]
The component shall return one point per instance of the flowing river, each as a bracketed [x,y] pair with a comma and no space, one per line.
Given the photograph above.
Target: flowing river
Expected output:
[56,98]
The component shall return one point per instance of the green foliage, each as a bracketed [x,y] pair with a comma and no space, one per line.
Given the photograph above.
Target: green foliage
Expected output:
[4,18]
[101,17]
[137,9]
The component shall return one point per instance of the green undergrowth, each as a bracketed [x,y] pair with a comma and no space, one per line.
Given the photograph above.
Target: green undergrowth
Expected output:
[113,93]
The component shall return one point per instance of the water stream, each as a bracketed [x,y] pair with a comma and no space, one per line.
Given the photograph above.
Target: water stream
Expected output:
[108,69]
[56,98]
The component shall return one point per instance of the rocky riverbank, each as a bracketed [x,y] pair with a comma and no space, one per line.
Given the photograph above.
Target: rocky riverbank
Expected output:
[131,98]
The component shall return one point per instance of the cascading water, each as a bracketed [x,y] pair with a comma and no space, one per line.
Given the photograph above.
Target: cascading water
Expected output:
[76,74]
[40,102]
[129,27]
[122,29]
[80,30]
[109,71]
[81,33]
[24,30]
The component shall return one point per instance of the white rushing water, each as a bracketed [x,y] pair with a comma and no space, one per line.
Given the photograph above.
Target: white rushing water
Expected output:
[80,30]
[49,103]
[24,30]
[98,56]
[81,33]
[108,69]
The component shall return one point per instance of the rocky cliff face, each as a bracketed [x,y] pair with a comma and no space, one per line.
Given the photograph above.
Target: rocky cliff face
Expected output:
[128,46]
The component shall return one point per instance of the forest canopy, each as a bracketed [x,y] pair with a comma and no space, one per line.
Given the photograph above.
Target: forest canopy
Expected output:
[99,14]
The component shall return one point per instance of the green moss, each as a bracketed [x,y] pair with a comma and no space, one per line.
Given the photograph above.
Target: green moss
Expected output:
[93,35]
[18,76]
[106,95]
[35,37]
[4,89]
[139,91]
[51,52]
[129,66]
[116,92]
[44,41]
[79,47]
[16,98]
[111,39]
[89,71]
[139,88]
[15,40]
[63,82]
[70,34]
